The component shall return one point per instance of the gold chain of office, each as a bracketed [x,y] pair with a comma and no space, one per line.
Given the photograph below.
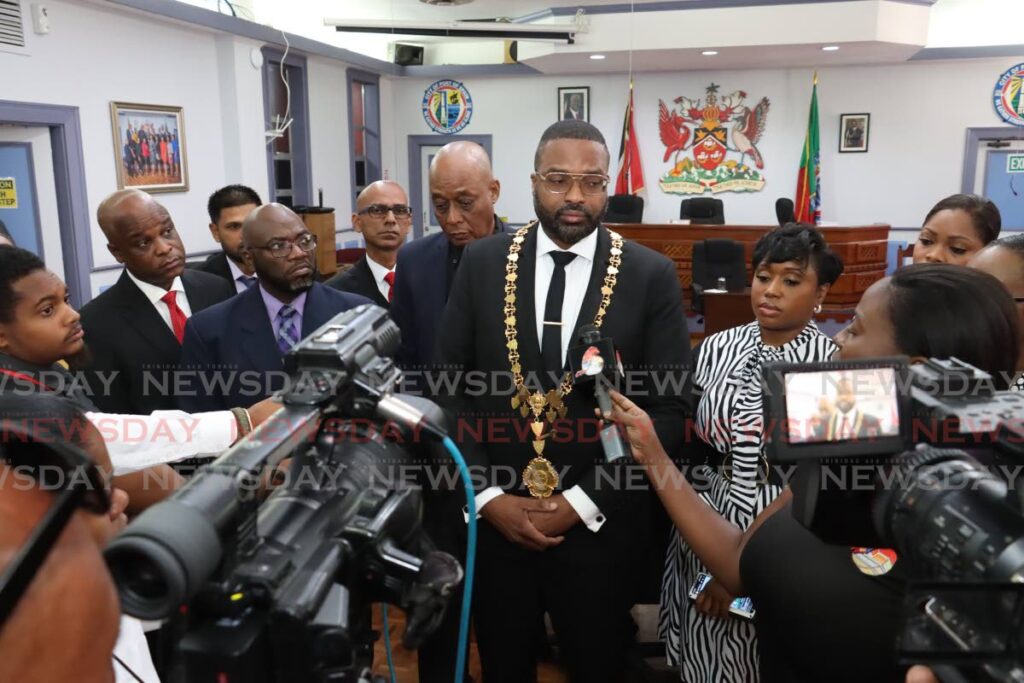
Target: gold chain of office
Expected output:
[539,475]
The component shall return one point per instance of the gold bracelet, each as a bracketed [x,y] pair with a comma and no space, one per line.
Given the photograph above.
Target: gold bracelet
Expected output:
[243,420]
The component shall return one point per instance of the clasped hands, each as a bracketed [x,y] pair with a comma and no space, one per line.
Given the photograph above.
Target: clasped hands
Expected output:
[535,524]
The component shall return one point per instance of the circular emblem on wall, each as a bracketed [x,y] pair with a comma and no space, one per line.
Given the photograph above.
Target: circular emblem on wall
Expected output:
[447,107]
[1009,95]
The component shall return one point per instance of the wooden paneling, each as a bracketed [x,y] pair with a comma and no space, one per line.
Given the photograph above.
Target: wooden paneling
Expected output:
[862,248]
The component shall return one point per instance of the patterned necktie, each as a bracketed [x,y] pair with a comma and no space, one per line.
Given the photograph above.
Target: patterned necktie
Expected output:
[390,279]
[247,280]
[287,333]
[177,315]
[551,339]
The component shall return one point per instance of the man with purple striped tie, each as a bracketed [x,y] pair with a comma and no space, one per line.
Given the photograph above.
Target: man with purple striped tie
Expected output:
[233,355]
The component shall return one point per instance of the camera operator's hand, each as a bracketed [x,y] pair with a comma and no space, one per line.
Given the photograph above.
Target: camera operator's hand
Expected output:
[921,674]
[714,601]
[511,516]
[553,524]
[643,440]
[259,412]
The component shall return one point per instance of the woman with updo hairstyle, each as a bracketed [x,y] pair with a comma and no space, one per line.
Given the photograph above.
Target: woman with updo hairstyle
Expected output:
[956,228]
[823,612]
[793,269]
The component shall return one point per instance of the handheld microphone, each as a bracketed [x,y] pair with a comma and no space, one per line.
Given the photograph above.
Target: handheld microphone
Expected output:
[595,359]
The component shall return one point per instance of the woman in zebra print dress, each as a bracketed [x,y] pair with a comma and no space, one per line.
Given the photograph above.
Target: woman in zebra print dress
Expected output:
[793,269]
[1004,260]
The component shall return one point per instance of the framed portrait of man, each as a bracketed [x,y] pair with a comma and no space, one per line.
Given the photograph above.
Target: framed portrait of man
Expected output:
[853,132]
[149,147]
[574,104]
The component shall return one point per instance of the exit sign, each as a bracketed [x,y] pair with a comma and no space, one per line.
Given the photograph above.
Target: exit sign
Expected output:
[1015,163]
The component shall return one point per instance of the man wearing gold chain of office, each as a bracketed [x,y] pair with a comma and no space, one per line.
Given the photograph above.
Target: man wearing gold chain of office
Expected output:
[562,531]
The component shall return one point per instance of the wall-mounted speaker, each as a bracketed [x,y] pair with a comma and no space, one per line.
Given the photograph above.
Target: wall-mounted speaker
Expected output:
[408,55]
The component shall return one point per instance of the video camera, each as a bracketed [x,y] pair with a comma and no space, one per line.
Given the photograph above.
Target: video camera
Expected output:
[923,459]
[279,587]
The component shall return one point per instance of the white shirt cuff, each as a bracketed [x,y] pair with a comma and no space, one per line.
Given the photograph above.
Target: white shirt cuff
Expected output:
[483,498]
[589,513]
[136,442]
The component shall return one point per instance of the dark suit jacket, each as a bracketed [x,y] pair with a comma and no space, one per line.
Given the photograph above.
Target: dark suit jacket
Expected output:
[125,335]
[648,327]
[359,280]
[421,285]
[229,349]
[216,264]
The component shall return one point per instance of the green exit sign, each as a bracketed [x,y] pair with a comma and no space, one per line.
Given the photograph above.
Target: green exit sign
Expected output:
[1015,163]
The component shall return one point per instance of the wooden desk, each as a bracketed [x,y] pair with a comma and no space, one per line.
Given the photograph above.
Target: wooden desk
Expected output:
[863,250]
[723,310]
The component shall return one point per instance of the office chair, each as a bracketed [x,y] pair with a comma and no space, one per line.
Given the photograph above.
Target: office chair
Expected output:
[703,210]
[625,208]
[713,259]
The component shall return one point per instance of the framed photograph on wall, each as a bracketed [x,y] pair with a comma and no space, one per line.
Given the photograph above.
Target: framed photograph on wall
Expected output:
[149,147]
[574,103]
[853,132]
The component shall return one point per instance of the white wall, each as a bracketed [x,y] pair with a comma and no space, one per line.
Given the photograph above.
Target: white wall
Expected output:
[98,53]
[919,112]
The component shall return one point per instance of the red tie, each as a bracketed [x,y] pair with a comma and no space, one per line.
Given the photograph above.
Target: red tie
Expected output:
[844,429]
[177,315]
[390,279]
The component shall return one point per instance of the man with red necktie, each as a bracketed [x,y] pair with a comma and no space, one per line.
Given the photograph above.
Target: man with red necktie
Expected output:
[134,329]
[383,217]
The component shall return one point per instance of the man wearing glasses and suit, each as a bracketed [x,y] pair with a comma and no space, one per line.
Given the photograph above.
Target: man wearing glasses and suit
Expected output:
[383,217]
[242,339]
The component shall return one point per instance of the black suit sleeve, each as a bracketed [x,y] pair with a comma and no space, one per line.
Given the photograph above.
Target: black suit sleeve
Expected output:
[454,353]
[196,363]
[107,380]
[401,312]
[666,385]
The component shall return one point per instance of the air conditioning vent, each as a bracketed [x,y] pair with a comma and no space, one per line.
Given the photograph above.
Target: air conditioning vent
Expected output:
[12,31]
[446,3]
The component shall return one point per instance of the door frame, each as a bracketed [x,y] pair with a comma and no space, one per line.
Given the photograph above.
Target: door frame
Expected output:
[416,181]
[69,181]
[973,138]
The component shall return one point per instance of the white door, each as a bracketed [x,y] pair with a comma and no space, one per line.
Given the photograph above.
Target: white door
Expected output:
[427,219]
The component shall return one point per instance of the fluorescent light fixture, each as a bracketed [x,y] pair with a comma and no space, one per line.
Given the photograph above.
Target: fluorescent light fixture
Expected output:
[709,53]
[830,48]
[597,56]
[461,29]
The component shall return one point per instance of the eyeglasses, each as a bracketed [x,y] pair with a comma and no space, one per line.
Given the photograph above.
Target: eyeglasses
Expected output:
[281,248]
[381,210]
[560,183]
[89,492]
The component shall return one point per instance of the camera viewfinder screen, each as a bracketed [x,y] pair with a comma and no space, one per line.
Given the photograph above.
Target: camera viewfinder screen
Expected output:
[842,405]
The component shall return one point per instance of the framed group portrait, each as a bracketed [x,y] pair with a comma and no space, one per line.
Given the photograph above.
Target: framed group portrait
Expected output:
[574,104]
[853,132]
[149,147]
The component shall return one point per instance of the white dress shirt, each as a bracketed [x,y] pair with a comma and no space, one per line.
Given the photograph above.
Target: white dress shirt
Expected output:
[155,294]
[577,277]
[379,272]
[136,442]
[236,275]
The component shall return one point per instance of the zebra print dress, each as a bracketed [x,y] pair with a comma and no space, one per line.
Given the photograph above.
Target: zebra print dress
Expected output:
[730,419]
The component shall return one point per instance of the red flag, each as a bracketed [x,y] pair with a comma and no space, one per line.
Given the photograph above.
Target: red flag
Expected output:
[631,172]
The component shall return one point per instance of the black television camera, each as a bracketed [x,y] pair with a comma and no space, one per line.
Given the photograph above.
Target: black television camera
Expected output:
[279,588]
[923,459]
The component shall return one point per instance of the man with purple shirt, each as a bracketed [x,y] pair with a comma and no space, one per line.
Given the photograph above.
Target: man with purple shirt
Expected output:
[234,353]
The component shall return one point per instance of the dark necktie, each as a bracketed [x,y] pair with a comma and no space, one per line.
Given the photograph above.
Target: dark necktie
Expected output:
[247,280]
[551,339]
